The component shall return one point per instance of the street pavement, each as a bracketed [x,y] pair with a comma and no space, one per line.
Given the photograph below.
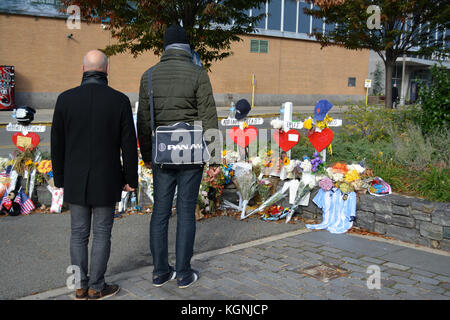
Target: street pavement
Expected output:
[34,249]
[278,268]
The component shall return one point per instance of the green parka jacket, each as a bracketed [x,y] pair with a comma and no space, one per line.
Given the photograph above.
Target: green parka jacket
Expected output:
[182,92]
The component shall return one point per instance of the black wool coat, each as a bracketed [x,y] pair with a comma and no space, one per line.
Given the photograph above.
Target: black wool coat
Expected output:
[92,127]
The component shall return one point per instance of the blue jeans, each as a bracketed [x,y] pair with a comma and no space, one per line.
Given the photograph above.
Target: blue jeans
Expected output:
[188,185]
[80,220]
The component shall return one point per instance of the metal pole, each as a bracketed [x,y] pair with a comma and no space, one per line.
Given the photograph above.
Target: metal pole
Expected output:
[253,90]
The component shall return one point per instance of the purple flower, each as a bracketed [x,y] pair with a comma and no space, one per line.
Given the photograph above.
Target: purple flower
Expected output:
[326,184]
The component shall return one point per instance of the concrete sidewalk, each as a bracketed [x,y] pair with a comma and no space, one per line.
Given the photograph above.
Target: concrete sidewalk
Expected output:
[281,268]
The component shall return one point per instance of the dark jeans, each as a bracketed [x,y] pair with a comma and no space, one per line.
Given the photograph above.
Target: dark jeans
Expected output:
[188,185]
[80,220]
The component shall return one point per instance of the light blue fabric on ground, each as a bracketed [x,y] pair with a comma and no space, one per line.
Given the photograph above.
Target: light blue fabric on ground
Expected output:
[336,211]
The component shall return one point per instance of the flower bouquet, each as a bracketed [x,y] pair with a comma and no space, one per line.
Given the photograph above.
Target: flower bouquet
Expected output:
[215,182]
[306,184]
[44,167]
[245,181]
[33,168]
[275,213]
[228,172]
[317,164]
[271,164]
[264,186]
[145,182]
[275,198]
[202,200]
[257,166]
[288,169]
[326,184]
[230,156]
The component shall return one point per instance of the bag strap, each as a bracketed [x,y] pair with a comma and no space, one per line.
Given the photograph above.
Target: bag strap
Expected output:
[150,99]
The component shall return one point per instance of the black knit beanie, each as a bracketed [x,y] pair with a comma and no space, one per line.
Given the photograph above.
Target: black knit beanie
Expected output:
[175,34]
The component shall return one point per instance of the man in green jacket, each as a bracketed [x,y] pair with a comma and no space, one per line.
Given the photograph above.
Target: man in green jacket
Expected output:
[182,92]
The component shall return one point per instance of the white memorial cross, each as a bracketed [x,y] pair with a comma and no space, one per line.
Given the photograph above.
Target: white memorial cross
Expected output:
[231,121]
[24,129]
[286,110]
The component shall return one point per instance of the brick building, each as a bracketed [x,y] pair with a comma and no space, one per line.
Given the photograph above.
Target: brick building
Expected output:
[288,65]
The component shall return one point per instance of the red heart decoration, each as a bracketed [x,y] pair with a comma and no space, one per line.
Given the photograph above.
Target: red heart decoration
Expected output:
[282,139]
[34,139]
[321,140]
[243,137]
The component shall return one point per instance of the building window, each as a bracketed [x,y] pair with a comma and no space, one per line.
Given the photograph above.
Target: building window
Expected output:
[351,82]
[260,46]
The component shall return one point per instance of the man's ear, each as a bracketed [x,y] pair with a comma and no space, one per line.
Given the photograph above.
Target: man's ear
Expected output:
[107,69]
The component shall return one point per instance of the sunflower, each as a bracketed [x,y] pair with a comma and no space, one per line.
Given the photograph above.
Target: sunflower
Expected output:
[245,125]
[141,163]
[286,161]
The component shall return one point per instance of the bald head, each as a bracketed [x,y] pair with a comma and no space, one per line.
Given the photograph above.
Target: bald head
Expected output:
[95,60]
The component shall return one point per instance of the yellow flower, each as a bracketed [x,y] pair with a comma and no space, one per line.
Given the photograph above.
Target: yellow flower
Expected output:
[321,124]
[269,153]
[351,176]
[286,161]
[28,162]
[328,119]
[308,124]
[224,153]
[141,163]
[245,125]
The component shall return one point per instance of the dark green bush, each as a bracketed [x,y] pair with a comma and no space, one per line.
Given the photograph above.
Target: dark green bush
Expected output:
[435,100]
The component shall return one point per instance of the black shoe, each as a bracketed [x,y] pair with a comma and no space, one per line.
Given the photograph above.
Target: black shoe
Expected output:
[81,294]
[187,281]
[158,281]
[108,291]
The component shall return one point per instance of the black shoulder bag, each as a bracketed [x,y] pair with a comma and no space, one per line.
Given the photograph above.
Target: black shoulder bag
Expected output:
[180,145]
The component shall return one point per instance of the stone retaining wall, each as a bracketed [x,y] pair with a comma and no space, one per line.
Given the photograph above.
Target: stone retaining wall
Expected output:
[400,217]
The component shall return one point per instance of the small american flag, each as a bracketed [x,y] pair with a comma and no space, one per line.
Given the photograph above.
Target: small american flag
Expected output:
[26,205]
[5,199]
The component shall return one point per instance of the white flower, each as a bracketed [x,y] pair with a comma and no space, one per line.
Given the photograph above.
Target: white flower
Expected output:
[337,177]
[320,177]
[3,162]
[290,169]
[356,167]
[306,165]
[256,162]
[309,179]
[231,156]
[276,123]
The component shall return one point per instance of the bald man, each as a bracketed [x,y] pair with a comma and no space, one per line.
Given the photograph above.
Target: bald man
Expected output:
[94,157]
